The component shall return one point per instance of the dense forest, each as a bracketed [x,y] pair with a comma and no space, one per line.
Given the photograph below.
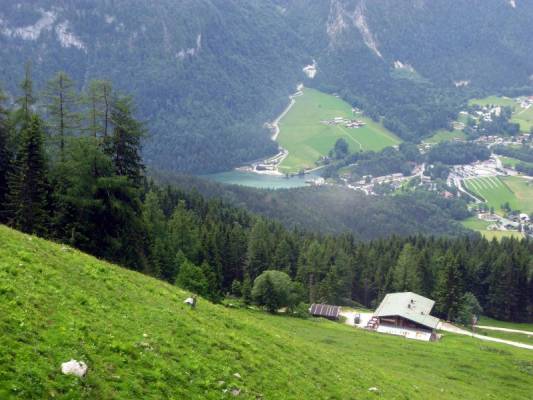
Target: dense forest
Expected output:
[333,209]
[208,74]
[74,173]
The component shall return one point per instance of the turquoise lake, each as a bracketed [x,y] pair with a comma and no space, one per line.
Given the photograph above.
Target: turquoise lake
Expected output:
[260,181]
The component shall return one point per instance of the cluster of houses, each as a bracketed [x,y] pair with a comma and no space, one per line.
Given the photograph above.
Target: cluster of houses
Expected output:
[486,113]
[525,102]
[348,123]
[404,314]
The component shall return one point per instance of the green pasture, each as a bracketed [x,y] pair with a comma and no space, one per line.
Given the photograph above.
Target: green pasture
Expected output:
[140,341]
[481,226]
[499,190]
[307,139]
[444,135]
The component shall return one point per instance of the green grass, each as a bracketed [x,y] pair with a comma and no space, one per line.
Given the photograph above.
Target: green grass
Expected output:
[475,224]
[141,342]
[503,324]
[307,139]
[481,226]
[498,190]
[521,116]
[509,161]
[493,100]
[516,337]
[523,191]
[524,117]
[444,135]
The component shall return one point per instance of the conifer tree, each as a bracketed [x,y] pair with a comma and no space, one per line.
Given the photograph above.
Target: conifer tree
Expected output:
[61,103]
[406,275]
[5,158]
[28,185]
[449,290]
[259,249]
[124,145]
[99,100]
[26,101]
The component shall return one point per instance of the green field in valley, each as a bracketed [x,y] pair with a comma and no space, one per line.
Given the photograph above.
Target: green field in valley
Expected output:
[481,226]
[445,135]
[307,139]
[521,116]
[499,190]
[510,162]
[141,342]
[493,100]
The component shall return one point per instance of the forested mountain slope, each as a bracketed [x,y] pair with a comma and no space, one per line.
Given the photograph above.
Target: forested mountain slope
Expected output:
[207,74]
[336,210]
[140,341]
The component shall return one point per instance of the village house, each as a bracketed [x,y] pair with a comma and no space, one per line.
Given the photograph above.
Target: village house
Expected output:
[405,314]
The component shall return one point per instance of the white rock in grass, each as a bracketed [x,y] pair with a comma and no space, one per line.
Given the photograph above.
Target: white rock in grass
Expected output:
[73,367]
[373,389]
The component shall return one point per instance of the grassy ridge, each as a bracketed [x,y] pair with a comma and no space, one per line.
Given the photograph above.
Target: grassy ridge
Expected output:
[141,342]
[306,139]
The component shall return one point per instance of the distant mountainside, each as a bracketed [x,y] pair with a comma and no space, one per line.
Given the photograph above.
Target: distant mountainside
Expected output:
[207,74]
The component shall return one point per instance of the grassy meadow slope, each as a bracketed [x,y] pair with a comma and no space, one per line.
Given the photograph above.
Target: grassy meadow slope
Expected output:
[141,342]
[307,139]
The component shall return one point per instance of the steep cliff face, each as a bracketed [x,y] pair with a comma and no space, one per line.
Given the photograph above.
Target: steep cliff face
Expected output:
[207,74]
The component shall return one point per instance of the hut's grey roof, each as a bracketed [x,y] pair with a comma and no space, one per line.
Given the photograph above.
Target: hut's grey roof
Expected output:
[410,306]
[325,310]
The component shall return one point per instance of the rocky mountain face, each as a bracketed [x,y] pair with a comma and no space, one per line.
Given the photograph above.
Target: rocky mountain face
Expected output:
[207,74]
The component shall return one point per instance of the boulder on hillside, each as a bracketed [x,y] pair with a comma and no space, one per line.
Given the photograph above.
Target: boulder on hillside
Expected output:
[73,367]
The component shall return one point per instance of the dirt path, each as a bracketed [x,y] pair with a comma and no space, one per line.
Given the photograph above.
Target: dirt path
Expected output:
[496,328]
[447,327]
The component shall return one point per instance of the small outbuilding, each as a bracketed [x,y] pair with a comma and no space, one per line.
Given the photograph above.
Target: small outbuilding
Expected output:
[405,314]
[325,311]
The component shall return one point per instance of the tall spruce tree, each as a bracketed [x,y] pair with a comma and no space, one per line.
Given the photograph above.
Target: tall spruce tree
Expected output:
[406,272]
[124,145]
[28,186]
[449,290]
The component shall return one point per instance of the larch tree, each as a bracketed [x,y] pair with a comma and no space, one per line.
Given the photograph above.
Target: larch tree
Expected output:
[61,104]
[98,99]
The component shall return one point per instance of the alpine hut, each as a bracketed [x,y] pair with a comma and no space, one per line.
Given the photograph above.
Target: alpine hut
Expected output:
[405,314]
